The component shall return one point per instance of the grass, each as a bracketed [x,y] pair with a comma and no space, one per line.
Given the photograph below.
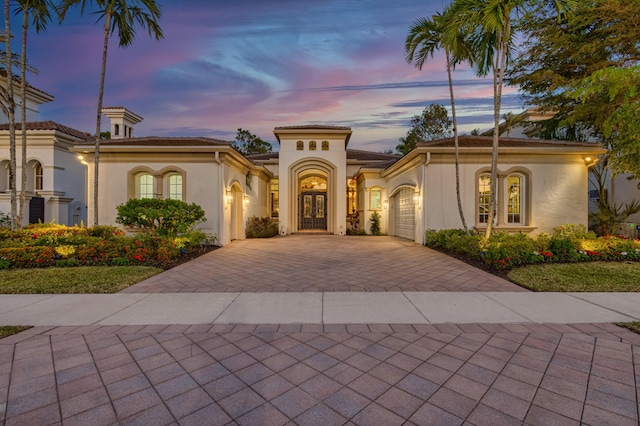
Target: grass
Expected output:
[589,276]
[633,326]
[83,279]
[7,331]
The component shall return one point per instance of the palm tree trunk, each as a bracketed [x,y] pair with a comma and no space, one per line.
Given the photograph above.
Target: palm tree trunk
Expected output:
[455,141]
[23,114]
[96,162]
[493,192]
[11,117]
[498,76]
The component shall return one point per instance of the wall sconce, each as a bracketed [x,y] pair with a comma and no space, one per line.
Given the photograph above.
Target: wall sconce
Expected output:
[590,161]
[416,198]
[246,199]
[229,197]
[385,204]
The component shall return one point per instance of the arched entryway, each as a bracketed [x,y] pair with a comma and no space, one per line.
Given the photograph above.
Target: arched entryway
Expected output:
[312,201]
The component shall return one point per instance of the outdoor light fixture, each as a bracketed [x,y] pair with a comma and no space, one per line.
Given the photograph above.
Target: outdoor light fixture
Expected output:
[229,197]
[385,204]
[416,198]
[246,199]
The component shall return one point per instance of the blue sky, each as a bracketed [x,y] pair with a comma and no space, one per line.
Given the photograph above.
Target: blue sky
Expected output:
[259,64]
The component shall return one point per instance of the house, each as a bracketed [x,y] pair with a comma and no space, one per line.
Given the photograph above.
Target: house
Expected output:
[315,182]
[55,188]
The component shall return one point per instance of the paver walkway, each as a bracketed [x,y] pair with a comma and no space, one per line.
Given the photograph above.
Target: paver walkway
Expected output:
[271,375]
[323,263]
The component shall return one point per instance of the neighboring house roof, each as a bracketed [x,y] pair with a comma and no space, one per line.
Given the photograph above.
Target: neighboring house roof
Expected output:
[50,125]
[165,141]
[469,141]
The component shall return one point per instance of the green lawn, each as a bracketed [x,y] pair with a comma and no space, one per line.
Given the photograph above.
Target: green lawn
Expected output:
[7,331]
[83,279]
[588,276]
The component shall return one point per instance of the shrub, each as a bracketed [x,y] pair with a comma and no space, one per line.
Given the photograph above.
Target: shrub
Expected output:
[28,257]
[375,223]
[261,227]
[64,263]
[105,232]
[162,217]
[351,231]
[5,220]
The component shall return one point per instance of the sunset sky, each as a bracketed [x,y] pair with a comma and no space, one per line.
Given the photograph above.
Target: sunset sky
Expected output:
[258,64]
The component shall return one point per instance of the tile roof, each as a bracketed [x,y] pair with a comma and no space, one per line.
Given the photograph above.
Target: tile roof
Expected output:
[469,141]
[354,154]
[51,125]
[312,126]
[166,141]
[263,157]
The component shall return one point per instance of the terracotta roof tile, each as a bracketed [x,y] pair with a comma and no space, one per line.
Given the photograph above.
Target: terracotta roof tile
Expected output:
[469,141]
[51,125]
[354,154]
[166,141]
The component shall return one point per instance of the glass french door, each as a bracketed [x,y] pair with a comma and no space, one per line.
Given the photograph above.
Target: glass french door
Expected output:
[313,211]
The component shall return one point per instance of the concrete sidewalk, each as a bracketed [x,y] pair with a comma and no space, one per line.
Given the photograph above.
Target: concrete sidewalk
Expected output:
[319,308]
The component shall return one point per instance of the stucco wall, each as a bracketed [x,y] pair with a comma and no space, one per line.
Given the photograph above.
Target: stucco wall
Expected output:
[556,191]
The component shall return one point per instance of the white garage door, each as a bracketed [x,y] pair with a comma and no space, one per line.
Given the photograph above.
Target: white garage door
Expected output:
[404,214]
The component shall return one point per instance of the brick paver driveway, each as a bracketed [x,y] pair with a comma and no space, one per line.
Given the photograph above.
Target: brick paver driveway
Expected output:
[323,263]
[474,374]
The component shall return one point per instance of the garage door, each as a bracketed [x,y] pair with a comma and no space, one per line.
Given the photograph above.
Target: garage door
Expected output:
[404,214]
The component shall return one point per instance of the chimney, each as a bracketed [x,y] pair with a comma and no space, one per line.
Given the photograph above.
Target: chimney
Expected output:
[122,121]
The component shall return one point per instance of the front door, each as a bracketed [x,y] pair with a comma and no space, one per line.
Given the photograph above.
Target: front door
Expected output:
[313,211]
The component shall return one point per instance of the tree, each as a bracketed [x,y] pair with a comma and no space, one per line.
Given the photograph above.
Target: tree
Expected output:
[490,24]
[433,124]
[40,12]
[607,216]
[10,109]
[429,35]
[585,70]
[123,16]
[248,143]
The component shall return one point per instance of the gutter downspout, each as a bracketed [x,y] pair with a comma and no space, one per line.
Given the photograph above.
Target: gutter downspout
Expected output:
[427,160]
[221,198]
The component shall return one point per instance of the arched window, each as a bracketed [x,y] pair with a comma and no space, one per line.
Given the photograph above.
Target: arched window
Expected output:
[39,176]
[116,130]
[515,199]
[300,146]
[145,185]
[484,195]
[325,145]
[312,146]
[175,187]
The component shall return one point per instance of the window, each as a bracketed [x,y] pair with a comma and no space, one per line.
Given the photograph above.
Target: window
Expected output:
[515,188]
[376,199]
[300,146]
[4,176]
[484,193]
[312,146]
[275,201]
[116,130]
[39,175]
[145,186]
[325,145]
[175,187]
[511,202]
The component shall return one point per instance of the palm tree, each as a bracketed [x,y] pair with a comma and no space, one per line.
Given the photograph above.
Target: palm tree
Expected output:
[40,11]
[424,38]
[10,109]
[123,16]
[489,22]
